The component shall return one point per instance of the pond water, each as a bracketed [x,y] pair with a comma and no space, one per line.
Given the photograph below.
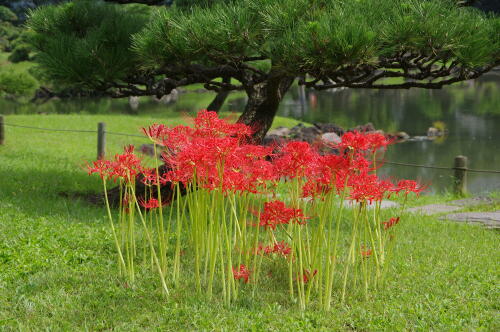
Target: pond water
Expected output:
[470,111]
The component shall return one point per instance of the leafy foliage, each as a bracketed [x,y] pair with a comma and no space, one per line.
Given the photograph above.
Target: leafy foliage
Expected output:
[13,83]
[7,33]
[125,51]
[315,36]
[86,42]
[7,15]
[20,53]
[223,32]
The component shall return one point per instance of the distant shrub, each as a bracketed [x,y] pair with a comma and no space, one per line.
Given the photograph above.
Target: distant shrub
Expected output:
[7,15]
[8,34]
[20,53]
[8,31]
[12,83]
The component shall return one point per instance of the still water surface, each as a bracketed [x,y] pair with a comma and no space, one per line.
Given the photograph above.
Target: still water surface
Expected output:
[470,111]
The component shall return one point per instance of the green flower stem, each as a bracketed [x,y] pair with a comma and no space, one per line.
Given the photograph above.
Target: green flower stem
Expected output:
[161,235]
[375,251]
[150,240]
[364,260]
[110,217]
[333,259]
[255,256]
[178,227]
[351,255]
[300,255]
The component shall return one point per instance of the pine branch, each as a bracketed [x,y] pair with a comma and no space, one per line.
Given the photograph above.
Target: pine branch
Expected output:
[427,78]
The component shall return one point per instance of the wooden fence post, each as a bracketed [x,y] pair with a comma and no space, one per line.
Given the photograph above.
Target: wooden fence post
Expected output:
[101,140]
[2,130]
[460,175]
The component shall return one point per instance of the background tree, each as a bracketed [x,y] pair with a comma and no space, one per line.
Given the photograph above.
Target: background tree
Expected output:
[262,46]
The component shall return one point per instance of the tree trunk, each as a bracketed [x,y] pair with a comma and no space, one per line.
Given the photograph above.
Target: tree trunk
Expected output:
[220,98]
[263,102]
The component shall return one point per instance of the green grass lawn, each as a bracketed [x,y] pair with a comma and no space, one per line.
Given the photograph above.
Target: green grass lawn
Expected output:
[58,266]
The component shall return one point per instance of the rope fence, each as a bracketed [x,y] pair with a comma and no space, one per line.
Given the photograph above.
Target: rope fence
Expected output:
[439,167]
[460,162]
[69,130]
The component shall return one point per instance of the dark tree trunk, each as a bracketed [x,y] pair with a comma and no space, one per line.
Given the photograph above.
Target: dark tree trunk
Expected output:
[220,98]
[218,101]
[263,101]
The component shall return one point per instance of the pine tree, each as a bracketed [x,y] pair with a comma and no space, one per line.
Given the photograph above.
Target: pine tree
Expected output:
[262,46]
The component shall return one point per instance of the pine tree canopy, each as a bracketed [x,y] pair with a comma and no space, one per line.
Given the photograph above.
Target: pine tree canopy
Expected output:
[335,43]
[139,50]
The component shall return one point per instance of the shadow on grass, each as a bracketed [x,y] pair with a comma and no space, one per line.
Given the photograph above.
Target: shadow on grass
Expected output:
[47,193]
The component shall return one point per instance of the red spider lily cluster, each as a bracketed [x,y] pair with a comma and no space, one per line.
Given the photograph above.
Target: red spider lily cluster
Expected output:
[230,189]
[241,273]
[391,222]
[280,248]
[276,213]
[125,166]
[307,276]
[366,253]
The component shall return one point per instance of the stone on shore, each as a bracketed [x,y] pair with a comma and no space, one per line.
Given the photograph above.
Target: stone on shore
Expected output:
[433,209]
[474,201]
[331,138]
[487,219]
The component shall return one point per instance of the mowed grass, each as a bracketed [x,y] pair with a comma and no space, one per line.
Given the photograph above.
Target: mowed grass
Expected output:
[58,266]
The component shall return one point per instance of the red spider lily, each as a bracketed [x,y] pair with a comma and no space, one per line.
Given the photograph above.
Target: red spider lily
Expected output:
[176,138]
[151,204]
[307,275]
[246,169]
[156,132]
[314,188]
[241,273]
[332,163]
[377,141]
[366,188]
[102,167]
[354,141]
[126,204]
[281,248]
[387,186]
[265,250]
[208,124]
[149,177]
[408,186]
[332,172]
[125,166]
[203,157]
[276,213]
[295,159]
[221,162]
[366,253]
[359,164]
[391,222]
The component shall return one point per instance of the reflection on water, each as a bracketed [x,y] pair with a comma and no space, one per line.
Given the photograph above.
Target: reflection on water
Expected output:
[470,111]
